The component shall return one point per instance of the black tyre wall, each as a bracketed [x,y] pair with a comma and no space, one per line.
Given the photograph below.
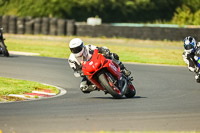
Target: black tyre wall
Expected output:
[61,27]
[45,26]
[53,26]
[29,25]
[20,25]
[12,25]
[5,21]
[37,26]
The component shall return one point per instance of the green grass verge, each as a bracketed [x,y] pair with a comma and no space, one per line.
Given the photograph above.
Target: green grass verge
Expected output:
[129,50]
[15,86]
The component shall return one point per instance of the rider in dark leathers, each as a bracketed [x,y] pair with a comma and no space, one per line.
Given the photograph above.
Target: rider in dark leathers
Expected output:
[189,56]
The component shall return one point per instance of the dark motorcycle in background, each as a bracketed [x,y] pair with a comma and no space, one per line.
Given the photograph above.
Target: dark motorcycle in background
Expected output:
[197,59]
[3,48]
[106,75]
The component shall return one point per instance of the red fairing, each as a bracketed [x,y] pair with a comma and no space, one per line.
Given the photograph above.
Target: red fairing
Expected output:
[114,70]
[95,64]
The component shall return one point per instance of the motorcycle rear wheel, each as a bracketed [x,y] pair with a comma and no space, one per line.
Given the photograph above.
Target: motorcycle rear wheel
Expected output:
[105,83]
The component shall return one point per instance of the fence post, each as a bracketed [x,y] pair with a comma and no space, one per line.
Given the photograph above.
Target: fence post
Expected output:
[20,25]
[70,27]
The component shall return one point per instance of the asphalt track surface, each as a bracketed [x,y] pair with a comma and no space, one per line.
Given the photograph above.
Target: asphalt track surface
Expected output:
[167,99]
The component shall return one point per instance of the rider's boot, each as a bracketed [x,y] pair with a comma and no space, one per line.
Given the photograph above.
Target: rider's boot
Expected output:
[124,70]
[1,50]
[197,77]
[86,86]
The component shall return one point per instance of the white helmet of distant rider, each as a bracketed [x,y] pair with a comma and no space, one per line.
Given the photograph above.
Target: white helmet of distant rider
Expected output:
[77,47]
[189,44]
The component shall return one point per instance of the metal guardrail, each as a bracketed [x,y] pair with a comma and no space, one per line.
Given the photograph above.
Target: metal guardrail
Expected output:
[145,25]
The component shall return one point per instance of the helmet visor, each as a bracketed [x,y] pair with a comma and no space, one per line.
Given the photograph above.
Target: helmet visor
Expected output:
[189,46]
[77,49]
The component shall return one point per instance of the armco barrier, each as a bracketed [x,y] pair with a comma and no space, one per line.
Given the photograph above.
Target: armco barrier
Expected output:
[54,26]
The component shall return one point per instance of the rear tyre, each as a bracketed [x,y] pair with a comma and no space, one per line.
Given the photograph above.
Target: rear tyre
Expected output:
[131,91]
[105,83]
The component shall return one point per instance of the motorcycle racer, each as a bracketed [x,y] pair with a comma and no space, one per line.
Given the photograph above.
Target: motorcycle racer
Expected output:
[3,47]
[81,52]
[190,47]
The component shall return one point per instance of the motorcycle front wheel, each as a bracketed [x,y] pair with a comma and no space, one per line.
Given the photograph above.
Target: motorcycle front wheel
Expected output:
[106,85]
[4,49]
[131,91]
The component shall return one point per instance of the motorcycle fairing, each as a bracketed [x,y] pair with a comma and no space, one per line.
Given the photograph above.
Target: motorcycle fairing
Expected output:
[198,62]
[95,64]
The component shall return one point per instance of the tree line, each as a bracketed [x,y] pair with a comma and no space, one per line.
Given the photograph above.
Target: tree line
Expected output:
[135,11]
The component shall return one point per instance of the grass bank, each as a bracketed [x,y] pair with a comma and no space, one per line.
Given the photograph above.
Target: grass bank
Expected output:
[15,86]
[129,50]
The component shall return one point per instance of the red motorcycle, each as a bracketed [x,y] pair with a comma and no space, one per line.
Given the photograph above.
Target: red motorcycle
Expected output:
[106,75]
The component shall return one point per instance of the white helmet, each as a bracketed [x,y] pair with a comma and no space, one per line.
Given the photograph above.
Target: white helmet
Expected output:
[77,47]
[189,44]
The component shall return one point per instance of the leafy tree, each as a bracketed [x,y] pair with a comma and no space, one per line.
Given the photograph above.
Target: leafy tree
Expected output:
[183,16]
[108,10]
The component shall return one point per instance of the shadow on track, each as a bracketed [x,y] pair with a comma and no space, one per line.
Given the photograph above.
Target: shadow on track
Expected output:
[136,97]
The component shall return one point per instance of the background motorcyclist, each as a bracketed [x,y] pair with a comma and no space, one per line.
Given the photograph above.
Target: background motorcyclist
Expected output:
[81,52]
[190,48]
[3,47]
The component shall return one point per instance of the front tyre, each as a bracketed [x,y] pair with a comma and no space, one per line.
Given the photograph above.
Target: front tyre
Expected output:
[131,91]
[106,85]
[4,49]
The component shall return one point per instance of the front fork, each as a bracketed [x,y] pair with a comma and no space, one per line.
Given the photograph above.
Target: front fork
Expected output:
[120,86]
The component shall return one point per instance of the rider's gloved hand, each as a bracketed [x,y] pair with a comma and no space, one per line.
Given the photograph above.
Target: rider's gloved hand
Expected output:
[195,57]
[104,51]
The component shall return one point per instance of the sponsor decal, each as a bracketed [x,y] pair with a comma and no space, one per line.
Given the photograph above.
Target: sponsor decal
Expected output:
[113,66]
[199,61]
[91,63]
[83,62]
